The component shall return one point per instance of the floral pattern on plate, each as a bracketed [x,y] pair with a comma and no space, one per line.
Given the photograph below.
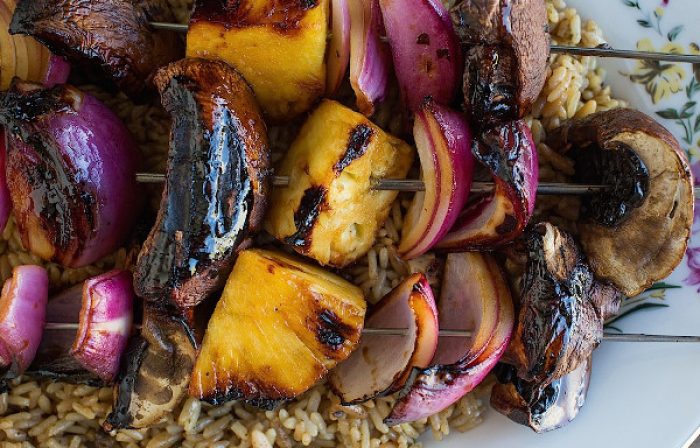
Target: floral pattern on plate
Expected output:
[676,86]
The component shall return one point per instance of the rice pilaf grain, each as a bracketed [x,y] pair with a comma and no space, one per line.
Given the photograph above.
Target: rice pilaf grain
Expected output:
[52,414]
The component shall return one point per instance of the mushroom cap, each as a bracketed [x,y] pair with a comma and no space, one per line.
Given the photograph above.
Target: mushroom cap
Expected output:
[647,245]
[541,406]
[506,60]
[562,307]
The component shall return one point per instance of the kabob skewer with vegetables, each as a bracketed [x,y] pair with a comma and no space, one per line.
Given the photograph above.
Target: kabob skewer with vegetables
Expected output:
[241,286]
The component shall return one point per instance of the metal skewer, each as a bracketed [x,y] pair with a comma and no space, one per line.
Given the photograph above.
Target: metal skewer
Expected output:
[165,26]
[602,52]
[544,188]
[608,52]
[613,337]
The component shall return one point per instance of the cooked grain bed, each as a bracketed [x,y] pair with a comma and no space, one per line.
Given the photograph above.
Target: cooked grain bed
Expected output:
[63,415]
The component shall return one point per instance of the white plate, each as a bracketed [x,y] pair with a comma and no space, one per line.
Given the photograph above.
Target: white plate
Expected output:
[642,395]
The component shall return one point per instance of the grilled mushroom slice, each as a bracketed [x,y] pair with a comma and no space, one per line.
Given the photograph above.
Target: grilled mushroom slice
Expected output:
[216,186]
[110,37]
[156,372]
[562,308]
[506,60]
[636,233]
[542,407]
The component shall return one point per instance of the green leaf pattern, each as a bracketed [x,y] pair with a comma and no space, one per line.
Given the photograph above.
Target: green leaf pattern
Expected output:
[652,298]
[687,117]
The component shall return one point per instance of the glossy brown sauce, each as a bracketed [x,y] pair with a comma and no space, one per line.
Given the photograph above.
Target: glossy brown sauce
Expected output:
[210,194]
[65,205]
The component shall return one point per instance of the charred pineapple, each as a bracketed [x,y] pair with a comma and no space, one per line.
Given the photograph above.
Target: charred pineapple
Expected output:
[278,328]
[329,211]
[279,46]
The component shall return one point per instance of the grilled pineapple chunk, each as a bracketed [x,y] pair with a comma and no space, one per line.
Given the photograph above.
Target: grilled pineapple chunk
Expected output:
[279,47]
[329,211]
[278,328]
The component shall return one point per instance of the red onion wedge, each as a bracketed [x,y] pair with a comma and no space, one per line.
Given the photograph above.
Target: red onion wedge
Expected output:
[443,139]
[71,166]
[465,303]
[426,51]
[105,323]
[22,318]
[103,307]
[338,52]
[57,71]
[474,292]
[370,61]
[5,200]
[509,152]
[381,364]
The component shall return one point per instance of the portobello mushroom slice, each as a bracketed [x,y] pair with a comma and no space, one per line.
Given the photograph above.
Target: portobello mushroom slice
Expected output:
[507,45]
[155,372]
[542,407]
[109,37]
[636,233]
[216,185]
[562,308]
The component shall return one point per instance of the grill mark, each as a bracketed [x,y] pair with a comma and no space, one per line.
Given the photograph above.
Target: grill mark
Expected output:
[120,417]
[617,165]
[331,331]
[30,105]
[305,216]
[359,141]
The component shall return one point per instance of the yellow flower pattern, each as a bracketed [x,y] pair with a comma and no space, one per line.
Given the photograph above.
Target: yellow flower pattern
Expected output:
[679,91]
[665,82]
[661,79]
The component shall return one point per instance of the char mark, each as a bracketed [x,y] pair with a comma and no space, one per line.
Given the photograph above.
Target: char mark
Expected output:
[360,138]
[305,216]
[331,331]
[284,16]
[66,205]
